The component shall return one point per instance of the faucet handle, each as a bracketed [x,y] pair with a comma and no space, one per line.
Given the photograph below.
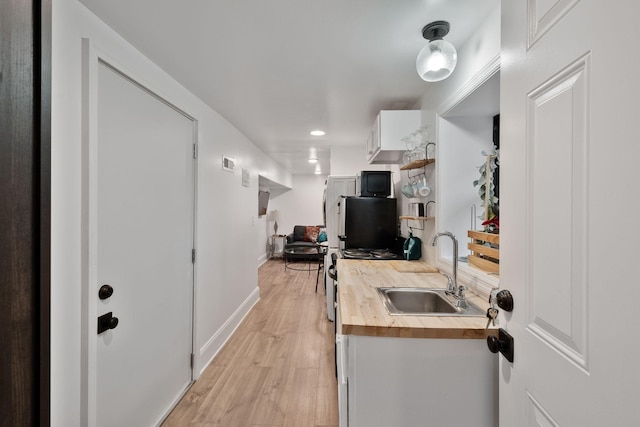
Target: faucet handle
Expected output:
[451,288]
[460,299]
[460,293]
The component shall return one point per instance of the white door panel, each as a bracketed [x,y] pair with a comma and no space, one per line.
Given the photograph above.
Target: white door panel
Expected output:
[558,173]
[144,242]
[569,212]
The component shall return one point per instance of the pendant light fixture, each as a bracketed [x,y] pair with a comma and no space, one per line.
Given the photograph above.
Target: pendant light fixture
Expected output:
[438,58]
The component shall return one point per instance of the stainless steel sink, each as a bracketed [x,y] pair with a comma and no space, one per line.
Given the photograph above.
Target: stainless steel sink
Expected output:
[424,302]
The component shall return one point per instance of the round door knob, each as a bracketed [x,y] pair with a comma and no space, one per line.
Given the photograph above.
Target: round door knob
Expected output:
[503,343]
[107,321]
[493,343]
[105,292]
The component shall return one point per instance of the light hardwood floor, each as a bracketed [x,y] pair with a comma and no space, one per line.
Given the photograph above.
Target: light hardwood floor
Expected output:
[278,367]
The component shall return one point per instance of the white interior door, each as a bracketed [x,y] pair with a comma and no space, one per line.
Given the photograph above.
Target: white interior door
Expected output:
[144,192]
[570,212]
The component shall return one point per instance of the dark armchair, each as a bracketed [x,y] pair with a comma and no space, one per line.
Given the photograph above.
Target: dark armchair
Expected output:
[304,242]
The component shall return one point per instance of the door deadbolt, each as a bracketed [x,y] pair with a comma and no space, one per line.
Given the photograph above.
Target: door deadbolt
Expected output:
[105,291]
[505,300]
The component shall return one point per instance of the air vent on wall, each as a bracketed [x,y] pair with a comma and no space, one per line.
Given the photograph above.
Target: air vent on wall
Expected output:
[228,163]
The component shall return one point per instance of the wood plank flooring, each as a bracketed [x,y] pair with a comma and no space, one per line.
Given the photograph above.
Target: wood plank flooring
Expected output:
[278,367]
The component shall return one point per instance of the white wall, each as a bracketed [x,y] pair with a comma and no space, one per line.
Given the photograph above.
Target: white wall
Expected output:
[226,278]
[420,229]
[302,205]
[466,138]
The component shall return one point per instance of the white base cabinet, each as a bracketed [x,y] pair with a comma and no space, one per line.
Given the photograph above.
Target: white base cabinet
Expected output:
[416,382]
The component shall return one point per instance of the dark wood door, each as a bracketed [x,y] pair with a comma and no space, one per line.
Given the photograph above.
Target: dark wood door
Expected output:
[25,47]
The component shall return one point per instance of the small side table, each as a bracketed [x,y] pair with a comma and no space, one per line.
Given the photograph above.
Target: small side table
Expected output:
[274,238]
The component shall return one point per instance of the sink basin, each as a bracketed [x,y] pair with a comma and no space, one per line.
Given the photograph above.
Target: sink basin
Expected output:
[424,302]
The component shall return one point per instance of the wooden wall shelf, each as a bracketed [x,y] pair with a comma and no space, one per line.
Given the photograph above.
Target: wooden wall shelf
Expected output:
[419,218]
[417,164]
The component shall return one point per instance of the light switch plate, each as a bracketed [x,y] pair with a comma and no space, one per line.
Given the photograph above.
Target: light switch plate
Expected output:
[245,178]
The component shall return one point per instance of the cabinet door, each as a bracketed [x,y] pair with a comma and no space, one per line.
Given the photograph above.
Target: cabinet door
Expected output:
[387,145]
[396,125]
[373,144]
[381,394]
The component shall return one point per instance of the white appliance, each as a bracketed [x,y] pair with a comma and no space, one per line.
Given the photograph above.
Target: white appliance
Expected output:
[342,372]
[336,189]
[342,342]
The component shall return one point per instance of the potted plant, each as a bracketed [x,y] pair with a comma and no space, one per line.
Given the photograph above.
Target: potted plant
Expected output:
[486,190]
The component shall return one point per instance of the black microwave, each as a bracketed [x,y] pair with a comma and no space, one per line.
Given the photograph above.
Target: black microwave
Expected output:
[373,184]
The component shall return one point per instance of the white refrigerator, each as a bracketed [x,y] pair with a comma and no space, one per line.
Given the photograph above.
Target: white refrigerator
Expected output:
[336,189]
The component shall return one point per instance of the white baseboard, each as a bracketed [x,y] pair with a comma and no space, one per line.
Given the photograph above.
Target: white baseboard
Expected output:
[211,348]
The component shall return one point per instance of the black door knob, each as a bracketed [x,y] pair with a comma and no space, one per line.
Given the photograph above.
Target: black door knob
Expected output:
[113,323]
[105,291]
[505,300]
[493,343]
[107,321]
[503,343]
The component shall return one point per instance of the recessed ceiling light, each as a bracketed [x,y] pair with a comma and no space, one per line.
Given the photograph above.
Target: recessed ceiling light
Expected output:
[313,160]
[317,132]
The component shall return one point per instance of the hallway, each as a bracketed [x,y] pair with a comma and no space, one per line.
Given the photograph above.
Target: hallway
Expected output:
[278,367]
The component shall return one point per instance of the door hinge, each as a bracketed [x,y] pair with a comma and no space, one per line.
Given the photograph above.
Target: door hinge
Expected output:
[193,256]
[195,151]
[191,358]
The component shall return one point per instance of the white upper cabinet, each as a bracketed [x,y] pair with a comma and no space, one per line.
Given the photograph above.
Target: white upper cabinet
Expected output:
[385,145]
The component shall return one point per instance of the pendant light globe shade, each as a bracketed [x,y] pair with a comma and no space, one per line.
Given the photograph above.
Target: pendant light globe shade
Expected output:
[436,61]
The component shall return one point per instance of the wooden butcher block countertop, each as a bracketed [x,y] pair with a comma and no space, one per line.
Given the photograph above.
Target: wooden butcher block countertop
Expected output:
[363,313]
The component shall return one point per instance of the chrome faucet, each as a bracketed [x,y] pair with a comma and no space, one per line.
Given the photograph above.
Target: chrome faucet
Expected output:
[452,286]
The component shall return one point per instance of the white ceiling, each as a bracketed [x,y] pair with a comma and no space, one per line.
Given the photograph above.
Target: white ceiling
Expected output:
[278,69]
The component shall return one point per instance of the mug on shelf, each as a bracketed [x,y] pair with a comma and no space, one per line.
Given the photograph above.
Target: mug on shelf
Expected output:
[408,190]
[423,189]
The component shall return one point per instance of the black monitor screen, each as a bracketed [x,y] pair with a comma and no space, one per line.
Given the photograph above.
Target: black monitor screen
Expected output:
[375,183]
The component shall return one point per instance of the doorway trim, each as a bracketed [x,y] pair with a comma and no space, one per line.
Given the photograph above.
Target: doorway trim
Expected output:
[25,160]
[92,58]
[484,74]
